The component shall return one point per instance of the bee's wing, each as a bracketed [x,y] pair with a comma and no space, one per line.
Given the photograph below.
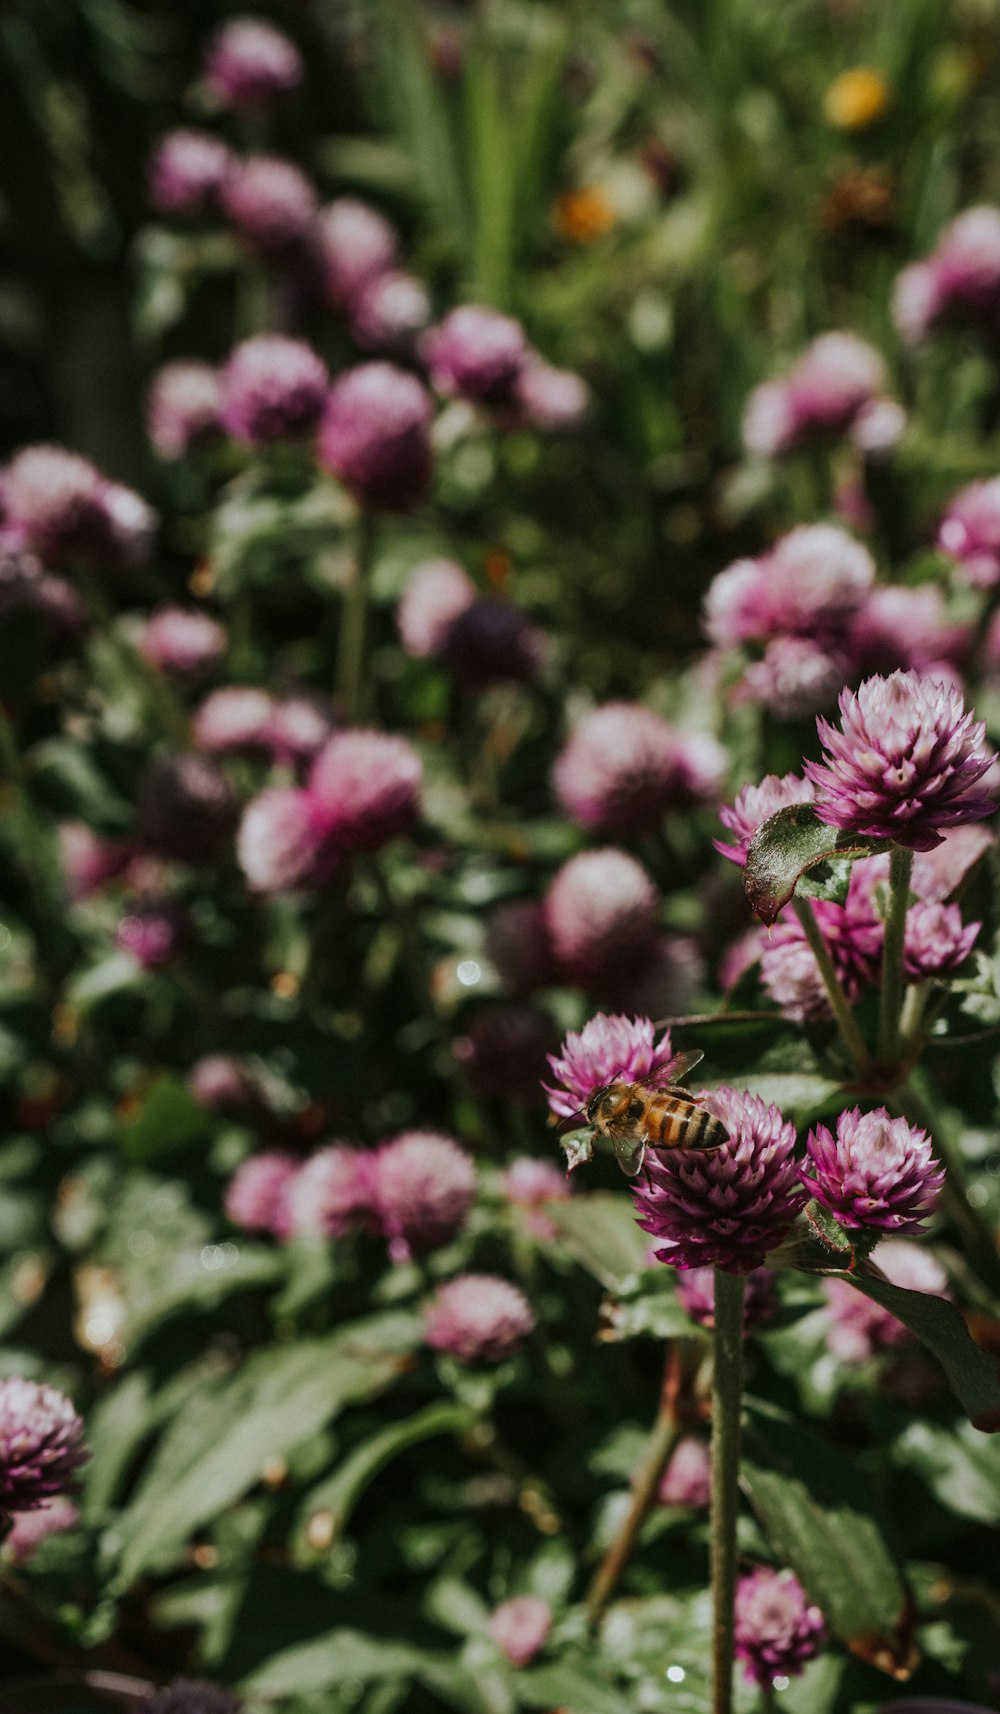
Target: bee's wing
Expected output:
[677,1068]
[630,1152]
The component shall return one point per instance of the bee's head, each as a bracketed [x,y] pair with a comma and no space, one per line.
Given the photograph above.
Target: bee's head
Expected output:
[596,1101]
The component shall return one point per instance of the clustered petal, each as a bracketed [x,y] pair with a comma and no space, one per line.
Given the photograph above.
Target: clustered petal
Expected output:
[41,1444]
[753,805]
[696,1294]
[424,1187]
[478,1318]
[607,1048]
[623,766]
[876,1171]
[257,1196]
[520,1627]
[778,1629]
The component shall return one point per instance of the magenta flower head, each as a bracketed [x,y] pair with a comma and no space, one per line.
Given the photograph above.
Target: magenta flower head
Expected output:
[620,769]
[606,1049]
[794,678]
[853,934]
[153,933]
[477,354]
[183,408]
[936,940]
[520,1627]
[424,1187]
[809,585]
[182,643]
[299,726]
[859,1327]
[727,1206]
[41,1444]
[270,203]
[30,1529]
[478,1318]
[366,786]
[390,312]
[492,642]
[257,1194]
[436,593]
[556,400]
[876,1171]
[696,1295]
[192,1696]
[357,246]
[186,808]
[237,717]
[970,532]
[59,505]
[333,1192]
[753,805]
[601,910]
[249,63]
[504,1046]
[906,764]
[778,1631]
[531,1184]
[281,844]
[219,1083]
[187,172]
[273,389]
[518,944]
[836,376]
[687,1480]
[376,436]
[88,860]
[900,627]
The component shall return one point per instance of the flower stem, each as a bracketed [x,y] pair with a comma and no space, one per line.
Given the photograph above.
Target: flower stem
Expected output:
[353,625]
[727,1387]
[846,1021]
[891,997]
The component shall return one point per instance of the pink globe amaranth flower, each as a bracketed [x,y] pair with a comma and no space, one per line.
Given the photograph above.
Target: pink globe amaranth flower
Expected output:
[853,933]
[41,1444]
[687,1480]
[476,353]
[130,523]
[970,532]
[835,377]
[219,1082]
[696,1295]
[902,628]
[437,592]
[357,247]
[796,677]
[778,1630]
[917,301]
[376,436]
[530,1183]
[257,1196]
[271,204]
[907,762]
[88,860]
[937,873]
[273,389]
[492,642]
[424,1187]
[967,262]
[620,769]
[520,1627]
[519,946]
[601,909]
[876,1171]
[186,808]
[282,844]
[183,407]
[859,1327]
[366,787]
[606,1049]
[478,1318]
[182,643]
[505,1049]
[936,940]
[237,717]
[249,63]
[727,1206]
[193,1696]
[753,805]
[187,171]
[299,726]
[810,584]
[30,1529]
[556,400]
[879,427]
[769,420]
[389,312]
[333,1192]
[153,933]
[60,505]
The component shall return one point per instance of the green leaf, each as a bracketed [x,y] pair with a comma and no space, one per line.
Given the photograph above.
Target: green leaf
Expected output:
[169,1122]
[646,1306]
[973,1374]
[788,845]
[960,1466]
[601,1232]
[573,1688]
[346,1656]
[115,1430]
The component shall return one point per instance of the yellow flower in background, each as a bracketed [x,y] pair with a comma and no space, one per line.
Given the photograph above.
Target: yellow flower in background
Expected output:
[584,215]
[856,99]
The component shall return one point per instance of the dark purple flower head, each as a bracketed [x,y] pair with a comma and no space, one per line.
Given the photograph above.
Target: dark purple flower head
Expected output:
[505,1047]
[153,933]
[753,805]
[271,204]
[187,172]
[30,1529]
[273,389]
[492,642]
[59,505]
[282,844]
[556,400]
[424,1187]
[181,642]
[333,1192]
[620,769]
[696,1294]
[478,1318]
[794,678]
[41,1444]
[186,808]
[606,1049]
[257,1194]
[236,717]
[687,1480]
[476,353]
[183,407]
[518,943]
[299,726]
[601,909]
[389,312]
[219,1082]
[193,1696]
[376,436]
[727,1206]
[25,589]
[520,1627]
[249,63]
[906,764]
[936,941]
[366,786]
[436,593]
[876,1171]
[778,1631]
[970,532]
[357,247]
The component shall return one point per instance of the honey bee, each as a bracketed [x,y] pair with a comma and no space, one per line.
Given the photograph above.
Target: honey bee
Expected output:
[653,1114]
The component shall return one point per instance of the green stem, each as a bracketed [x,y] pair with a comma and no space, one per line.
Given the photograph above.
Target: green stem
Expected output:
[727,1388]
[891,997]
[846,1021]
[353,625]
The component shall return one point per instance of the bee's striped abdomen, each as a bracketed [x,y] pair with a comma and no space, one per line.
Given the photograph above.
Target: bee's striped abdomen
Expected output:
[674,1122]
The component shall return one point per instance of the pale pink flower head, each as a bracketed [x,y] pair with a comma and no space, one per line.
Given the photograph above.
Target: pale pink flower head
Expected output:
[270,203]
[769,420]
[530,1184]
[281,844]
[518,944]
[778,1630]
[153,933]
[970,532]
[504,1047]
[187,171]
[907,763]
[333,1192]
[727,1206]
[357,246]
[556,400]
[967,260]
[478,1318]
[41,1444]
[901,628]
[476,353]
[520,1627]
[853,934]
[186,808]
[376,436]
[736,608]
[30,1529]
[90,861]
[815,579]
[794,678]
[219,1083]
[834,378]
[366,787]
[257,1194]
[687,1480]
[54,503]
[424,1187]
[917,301]
[492,642]
[696,1295]
[620,769]
[936,940]
[601,910]
[183,407]
[608,1048]
[273,389]
[753,805]
[237,717]
[436,593]
[389,312]
[875,1171]
[181,642]
[249,63]
[299,726]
